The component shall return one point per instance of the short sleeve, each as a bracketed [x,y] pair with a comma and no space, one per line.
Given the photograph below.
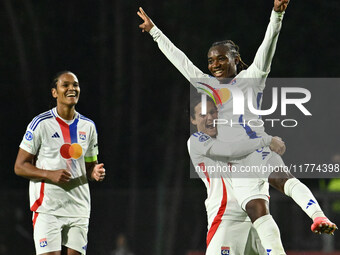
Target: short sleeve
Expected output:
[92,150]
[32,139]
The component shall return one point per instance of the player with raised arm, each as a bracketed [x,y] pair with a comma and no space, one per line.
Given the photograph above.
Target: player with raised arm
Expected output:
[210,158]
[58,154]
[224,61]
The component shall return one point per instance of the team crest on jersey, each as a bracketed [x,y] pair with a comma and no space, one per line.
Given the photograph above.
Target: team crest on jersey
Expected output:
[203,138]
[82,135]
[28,136]
[43,242]
[225,250]
[268,251]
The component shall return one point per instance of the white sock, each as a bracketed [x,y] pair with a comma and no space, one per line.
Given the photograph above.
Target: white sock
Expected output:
[302,195]
[269,234]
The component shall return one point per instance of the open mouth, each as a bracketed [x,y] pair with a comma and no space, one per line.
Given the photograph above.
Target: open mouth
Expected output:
[73,94]
[218,72]
[210,126]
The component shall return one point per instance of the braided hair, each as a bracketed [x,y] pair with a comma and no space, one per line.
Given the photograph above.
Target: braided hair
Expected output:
[233,50]
[56,78]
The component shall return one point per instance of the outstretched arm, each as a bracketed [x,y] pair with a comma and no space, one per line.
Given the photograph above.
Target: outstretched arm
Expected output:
[265,53]
[175,55]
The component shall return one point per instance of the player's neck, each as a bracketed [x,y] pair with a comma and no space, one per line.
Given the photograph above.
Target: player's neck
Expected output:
[66,112]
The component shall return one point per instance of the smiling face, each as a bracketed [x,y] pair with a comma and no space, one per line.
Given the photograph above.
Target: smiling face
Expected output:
[67,90]
[204,123]
[220,63]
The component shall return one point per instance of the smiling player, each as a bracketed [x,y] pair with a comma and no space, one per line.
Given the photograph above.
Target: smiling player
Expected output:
[59,154]
[224,62]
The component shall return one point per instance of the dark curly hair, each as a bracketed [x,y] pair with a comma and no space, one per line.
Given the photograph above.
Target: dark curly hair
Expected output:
[233,50]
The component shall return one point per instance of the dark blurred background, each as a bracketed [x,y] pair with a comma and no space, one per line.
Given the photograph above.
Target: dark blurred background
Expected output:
[139,101]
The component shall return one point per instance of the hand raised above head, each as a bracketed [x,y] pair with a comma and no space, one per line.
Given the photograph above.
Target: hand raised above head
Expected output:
[280,5]
[147,24]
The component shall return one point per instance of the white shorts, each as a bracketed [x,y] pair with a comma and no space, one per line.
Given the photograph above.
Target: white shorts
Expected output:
[235,238]
[250,176]
[51,232]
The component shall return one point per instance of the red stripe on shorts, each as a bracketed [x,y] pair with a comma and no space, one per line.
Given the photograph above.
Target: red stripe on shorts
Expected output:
[39,201]
[218,217]
[35,218]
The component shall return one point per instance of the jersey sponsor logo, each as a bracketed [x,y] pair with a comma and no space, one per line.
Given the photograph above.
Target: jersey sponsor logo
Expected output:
[82,135]
[56,135]
[43,242]
[68,151]
[310,203]
[203,138]
[225,250]
[268,251]
[265,154]
[28,136]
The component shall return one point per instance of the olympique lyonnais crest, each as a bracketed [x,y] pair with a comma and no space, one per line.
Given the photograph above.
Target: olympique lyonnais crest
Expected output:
[43,242]
[225,250]
[82,135]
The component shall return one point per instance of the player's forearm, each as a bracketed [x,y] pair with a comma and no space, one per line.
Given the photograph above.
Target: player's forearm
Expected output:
[265,53]
[175,55]
[238,149]
[29,171]
[89,169]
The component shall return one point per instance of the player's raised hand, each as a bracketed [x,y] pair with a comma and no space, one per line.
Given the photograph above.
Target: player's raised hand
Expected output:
[98,172]
[280,5]
[58,176]
[277,145]
[147,24]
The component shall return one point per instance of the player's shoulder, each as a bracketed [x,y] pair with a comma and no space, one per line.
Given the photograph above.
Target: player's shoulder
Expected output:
[40,118]
[199,143]
[199,137]
[86,121]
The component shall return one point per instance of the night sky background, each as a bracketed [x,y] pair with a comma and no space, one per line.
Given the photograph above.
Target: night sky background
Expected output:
[139,102]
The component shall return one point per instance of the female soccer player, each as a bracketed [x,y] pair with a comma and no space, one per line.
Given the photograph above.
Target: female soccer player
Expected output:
[58,154]
[210,158]
[224,61]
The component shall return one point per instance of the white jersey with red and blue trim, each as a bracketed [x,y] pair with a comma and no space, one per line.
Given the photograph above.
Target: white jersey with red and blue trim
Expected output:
[252,78]
[210,158]
[61,144]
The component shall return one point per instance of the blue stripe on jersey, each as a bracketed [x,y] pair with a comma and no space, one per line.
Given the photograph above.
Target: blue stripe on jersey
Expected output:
[84,118]
[249,131]
[53,113]
[258,99]
[45,118]
[73,131]
[194,134]
[37,118]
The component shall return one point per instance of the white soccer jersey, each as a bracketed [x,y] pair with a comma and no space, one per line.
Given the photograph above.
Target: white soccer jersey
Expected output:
[257,71]
[61,145]
[210,158]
